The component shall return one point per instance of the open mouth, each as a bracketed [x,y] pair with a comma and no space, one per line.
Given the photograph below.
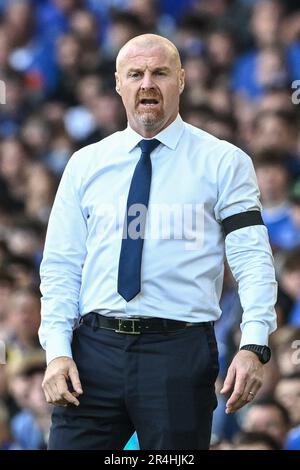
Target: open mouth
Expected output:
[149,101]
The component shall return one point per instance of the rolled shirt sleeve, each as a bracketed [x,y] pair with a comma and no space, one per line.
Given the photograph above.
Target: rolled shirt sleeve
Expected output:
[61,267]
[247,249]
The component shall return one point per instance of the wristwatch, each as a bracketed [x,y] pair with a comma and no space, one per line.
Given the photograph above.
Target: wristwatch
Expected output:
[263,352]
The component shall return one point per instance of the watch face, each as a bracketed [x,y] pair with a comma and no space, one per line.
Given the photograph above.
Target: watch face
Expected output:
[266,354]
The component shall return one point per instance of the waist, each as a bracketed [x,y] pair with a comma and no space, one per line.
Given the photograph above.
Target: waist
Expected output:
[138,325]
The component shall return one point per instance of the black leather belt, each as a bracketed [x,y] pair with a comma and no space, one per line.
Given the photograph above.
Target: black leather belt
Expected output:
[136,325]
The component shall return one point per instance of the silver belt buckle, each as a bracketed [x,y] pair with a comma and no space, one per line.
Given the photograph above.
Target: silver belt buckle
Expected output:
[124,320]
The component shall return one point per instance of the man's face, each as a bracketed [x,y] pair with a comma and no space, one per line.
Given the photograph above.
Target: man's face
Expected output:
[288,393]
[150,81]
[272,182]
[266,419]
[24,315]
[290,281]
[273,133]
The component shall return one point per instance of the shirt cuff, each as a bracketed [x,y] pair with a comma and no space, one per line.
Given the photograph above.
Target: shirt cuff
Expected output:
[254,332]
[56,346]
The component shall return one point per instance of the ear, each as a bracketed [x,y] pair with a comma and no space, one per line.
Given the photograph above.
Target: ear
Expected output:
[117,83]
[181,80]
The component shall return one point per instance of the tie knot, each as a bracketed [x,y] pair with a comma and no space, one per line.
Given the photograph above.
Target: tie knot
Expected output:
[147,146]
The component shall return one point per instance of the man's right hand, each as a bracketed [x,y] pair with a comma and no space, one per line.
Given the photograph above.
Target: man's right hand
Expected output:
[58,372]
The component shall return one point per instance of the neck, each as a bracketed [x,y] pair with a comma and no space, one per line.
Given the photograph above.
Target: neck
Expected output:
[149,132]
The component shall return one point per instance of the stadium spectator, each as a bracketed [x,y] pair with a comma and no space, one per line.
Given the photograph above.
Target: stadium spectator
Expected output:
[254,441]
[273,180]
[30,426]
[285,344]
[6,441]
[23,319]
[290,282]
[287,393]
[269,417]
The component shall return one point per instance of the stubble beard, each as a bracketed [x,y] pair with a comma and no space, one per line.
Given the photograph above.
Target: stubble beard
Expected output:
[151,119]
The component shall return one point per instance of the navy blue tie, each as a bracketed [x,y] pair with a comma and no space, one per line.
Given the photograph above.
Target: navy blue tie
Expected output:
[129,276]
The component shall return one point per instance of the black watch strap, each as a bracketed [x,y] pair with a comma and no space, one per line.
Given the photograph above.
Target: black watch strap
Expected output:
[263,352]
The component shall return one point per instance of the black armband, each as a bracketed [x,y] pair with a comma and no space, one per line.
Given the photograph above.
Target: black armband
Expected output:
[243,219]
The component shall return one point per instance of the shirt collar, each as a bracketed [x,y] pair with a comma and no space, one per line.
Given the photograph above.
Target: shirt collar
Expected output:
[168,136]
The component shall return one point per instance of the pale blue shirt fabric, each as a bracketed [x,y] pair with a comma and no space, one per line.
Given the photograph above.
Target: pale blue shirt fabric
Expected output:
[205,180]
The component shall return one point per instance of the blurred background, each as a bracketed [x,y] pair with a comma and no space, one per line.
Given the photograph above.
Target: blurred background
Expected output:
[242,61]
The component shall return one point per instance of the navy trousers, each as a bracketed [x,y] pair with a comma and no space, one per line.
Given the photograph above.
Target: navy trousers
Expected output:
[160,384]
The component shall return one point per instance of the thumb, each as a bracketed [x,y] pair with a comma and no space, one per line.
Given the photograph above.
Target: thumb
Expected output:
[229,381]
[74,377]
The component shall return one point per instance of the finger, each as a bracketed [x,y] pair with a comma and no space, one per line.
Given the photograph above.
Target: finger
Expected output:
[255,387]
[61,385]
[74,377]
[51,396]
[59,390]
[64,394]
[247,396]
[61,403]
[53,389]
[250,397]
[229,381]
[67,397]
[252,385]
[47,396]
[239,404]
[238,391]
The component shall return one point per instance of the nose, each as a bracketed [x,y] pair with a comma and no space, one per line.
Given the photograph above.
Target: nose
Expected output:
[147,82]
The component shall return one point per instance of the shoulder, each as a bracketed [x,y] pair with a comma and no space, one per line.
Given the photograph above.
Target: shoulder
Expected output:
[220,150]
[99,148]
[86,159]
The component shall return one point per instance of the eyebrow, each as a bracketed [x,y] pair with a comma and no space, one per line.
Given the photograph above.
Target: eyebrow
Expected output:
[156,69]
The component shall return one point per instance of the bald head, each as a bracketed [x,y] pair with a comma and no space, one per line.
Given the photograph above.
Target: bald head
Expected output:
[149,78]
[146,42]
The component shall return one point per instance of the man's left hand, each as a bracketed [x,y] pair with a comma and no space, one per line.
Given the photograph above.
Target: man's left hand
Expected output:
[244,378]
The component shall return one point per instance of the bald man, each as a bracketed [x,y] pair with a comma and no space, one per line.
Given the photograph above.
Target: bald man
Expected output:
[132,272]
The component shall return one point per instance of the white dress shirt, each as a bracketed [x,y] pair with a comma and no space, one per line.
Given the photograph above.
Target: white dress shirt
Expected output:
[197,181]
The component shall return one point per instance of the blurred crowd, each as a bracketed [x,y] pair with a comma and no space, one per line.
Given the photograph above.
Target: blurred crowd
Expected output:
[242,62]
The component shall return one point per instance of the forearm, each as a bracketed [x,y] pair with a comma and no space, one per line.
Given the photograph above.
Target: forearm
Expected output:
[250,259]
[59,309]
